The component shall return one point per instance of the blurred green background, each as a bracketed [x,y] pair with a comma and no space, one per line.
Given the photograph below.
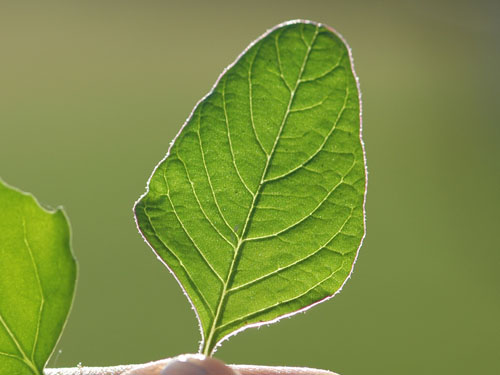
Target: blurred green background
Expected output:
[92,92]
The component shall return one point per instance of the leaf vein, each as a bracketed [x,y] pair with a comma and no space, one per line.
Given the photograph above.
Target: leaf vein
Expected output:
[40,289]
[321,146]
[199,203]
[318,206]
[155,233]
[281,269]
[302,36]
[13,338]
[263,310]
[278,55]
[200,142]
[229,137]
[309,107]
[187,232]
[327,72]
[250,98]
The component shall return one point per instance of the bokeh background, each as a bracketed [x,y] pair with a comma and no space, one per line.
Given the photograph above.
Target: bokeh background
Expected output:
[92,92]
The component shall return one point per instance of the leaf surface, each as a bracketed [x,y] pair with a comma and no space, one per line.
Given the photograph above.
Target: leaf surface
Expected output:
[37,281]
[258,207]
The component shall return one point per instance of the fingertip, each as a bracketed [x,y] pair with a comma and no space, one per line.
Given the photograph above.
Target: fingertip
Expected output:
[197,365]
[187,364]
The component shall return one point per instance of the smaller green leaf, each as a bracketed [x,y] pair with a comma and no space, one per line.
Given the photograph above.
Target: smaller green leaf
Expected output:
[37,281]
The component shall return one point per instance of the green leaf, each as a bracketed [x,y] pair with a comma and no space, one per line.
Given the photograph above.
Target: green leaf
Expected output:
[37,281]
[258,207]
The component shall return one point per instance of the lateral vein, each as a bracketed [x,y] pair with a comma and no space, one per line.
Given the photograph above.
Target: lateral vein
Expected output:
[229,137]
[318,206]
[40,289]
[244,317]
[199,203]
[24,357]
[187,232]
[250,98]
[288,266]
[208,176]
[321,146]
[155,233]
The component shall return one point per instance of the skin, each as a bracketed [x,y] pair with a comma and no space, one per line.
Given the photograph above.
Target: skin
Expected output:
[188,364]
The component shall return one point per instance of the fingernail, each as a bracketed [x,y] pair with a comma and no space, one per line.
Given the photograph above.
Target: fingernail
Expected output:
[196,365]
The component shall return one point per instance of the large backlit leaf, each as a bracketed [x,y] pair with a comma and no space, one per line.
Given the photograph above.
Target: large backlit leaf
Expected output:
[37,281]
[258,207]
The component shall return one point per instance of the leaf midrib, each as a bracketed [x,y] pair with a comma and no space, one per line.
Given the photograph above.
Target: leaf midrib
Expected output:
[209,344]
